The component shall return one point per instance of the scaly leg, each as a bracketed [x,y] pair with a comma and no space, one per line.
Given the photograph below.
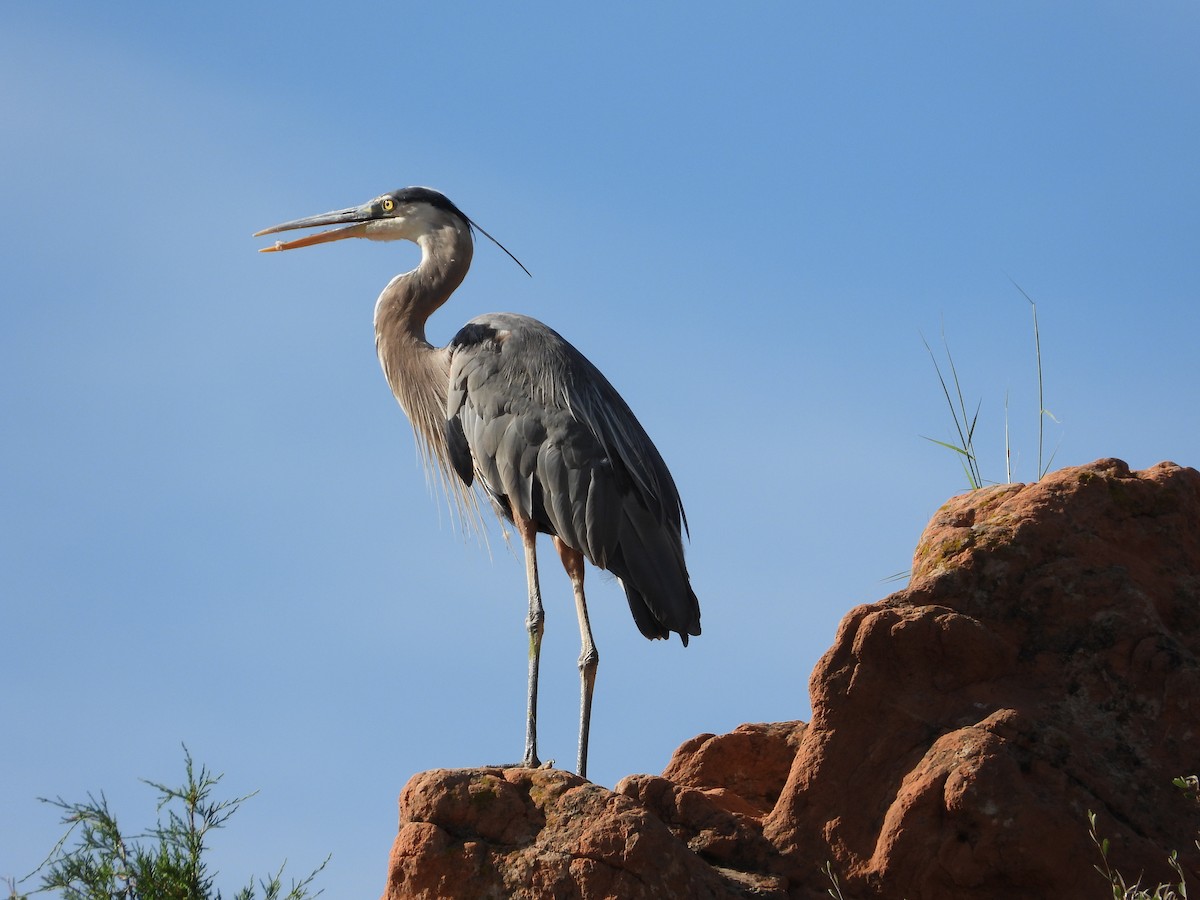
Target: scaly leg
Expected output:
[589,658]
[534,623]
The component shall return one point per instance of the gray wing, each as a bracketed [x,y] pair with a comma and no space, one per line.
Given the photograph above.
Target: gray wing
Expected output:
[548,437]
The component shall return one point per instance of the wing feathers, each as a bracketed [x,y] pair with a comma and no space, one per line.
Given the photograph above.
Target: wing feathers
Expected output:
[548,436]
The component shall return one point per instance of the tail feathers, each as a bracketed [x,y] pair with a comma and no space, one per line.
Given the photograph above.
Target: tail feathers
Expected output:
[649,622]
[649,563]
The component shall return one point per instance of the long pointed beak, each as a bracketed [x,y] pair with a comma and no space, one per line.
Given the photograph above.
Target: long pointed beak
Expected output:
[356,216]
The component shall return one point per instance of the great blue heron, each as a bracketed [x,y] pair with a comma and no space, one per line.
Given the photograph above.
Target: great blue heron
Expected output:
[510,405]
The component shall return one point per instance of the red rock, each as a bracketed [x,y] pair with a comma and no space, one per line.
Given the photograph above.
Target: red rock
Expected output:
[752,761]
[533,833]
[1044,661]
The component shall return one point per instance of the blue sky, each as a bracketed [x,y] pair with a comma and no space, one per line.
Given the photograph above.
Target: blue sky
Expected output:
[213,526]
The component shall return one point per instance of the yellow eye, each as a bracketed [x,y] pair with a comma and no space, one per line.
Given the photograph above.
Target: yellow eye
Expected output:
[387,204]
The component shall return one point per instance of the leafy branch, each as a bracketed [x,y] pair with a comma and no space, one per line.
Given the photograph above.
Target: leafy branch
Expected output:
[165,862]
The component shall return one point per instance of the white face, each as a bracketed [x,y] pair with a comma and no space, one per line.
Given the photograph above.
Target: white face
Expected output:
[408,223]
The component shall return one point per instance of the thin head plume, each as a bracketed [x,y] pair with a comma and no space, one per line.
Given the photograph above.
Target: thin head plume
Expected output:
[478,228]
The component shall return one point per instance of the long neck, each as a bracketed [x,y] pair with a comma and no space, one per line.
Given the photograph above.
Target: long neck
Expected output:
[406,304]
[418,373]
[408,301]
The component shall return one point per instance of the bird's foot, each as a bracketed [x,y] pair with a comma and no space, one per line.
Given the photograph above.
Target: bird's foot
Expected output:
[525,764]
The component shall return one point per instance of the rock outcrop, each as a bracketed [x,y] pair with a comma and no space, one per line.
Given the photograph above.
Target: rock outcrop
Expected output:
[1043,662]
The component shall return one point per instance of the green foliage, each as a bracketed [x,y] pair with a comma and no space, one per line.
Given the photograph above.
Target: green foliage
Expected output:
[964,423]
[836,891]
[1123,890]
[964,426]
[1043,413]
[166,862]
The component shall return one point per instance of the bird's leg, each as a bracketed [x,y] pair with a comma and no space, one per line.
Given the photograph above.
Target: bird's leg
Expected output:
[534,624]
[589,658]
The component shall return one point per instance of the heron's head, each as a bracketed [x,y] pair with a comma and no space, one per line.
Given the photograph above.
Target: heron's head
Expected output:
[407,214]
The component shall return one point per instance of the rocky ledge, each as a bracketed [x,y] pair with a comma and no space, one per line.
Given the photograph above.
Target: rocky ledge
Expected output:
[1043,662]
